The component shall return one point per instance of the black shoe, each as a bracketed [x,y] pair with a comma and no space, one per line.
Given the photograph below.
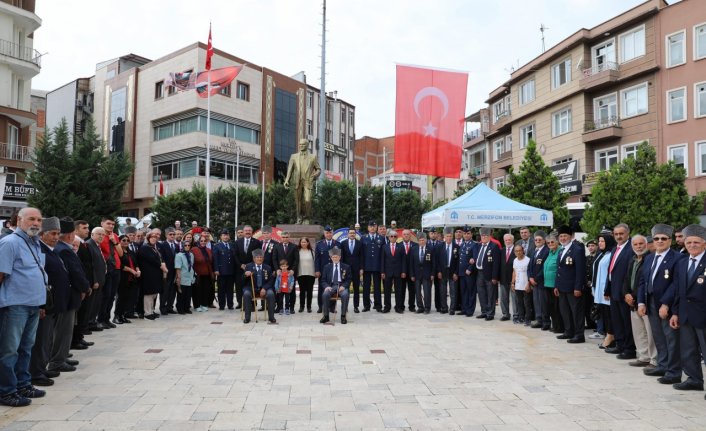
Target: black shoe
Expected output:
[30,392]
[557,331]
[564,337]
[481,316]
[181,312]
[324,319]
[131,316]
[412,310]
[626,355]
[399,311]
[64,368]
[246,321]
[489,318]
[187,311]
[319,310]
[78,346]
[72,362]
[51,374]
[156,316]
[150,317]
[688,385]
[221,309]
[141,316]
[504,318]
[366,309]
[230,308]
[344,320]
[535,325]
[273,321]
[308,310]
[655,372]
[451,313]
[420,311]
[427,311]
[576,340]
[94,328]
[124,320]
[355,310]
[14,400]
[108,324]
[669,380]
[86,332]
[86,343]
[546,328]
[238,307]
[613,350]
[42,381]
[387,310]
[291,311]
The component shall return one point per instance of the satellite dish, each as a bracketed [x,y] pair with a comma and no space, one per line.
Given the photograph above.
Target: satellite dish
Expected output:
[579,64]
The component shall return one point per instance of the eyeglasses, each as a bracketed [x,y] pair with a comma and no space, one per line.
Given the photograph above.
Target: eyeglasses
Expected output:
[661,238]
[125,240]
[187,245]
[171,234]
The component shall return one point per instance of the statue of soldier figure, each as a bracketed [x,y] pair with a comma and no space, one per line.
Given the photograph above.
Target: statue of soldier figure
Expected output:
[302,171]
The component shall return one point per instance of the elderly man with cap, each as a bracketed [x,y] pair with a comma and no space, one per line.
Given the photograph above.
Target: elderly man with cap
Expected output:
[372,258]
[569,284]
[620,259]
[224,264]
[535,272]
[394,273]
[334,281]
[689,309]
[259,280]
[488,266]
[467,273]
[322,258]
[447,257]
[655,297]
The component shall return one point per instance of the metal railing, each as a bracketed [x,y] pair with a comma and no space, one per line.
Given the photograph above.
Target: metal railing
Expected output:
[598,68]
[15,152]
[602,123]
[500,115]
[24,53]
[473,134]
[477,171]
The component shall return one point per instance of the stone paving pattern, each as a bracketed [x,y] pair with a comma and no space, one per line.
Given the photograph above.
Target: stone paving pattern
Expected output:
[428,372]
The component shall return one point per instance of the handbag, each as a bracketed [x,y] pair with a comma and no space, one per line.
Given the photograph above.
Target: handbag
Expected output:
[595,313]
[49,302]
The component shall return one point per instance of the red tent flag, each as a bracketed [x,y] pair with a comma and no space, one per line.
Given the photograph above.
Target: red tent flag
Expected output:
[209,50]
[429,121]
[161,185]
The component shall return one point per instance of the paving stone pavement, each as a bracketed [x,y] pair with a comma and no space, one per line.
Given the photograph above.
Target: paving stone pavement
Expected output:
[381,371]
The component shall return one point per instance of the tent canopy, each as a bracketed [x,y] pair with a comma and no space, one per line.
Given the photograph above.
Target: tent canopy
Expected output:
[482,206]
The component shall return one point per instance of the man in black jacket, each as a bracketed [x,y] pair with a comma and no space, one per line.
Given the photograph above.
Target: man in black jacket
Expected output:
[285,250]
[243,248]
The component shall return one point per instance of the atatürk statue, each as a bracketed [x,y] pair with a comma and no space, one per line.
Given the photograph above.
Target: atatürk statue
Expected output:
[302,172]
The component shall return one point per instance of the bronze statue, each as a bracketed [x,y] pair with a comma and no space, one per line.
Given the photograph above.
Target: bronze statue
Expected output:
[303,170]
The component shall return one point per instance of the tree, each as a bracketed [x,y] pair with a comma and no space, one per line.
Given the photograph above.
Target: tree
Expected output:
[406,208]
[85,184]
[536,185]
[641,193]
[334,203]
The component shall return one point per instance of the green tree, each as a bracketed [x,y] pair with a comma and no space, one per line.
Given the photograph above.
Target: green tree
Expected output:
[279,205]
[406,208]
[536,185]
[84,184]
[334,203]
[640,192]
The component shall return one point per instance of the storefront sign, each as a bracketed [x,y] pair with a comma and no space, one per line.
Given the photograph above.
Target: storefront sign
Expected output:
[334,149]
[397,184]
[566,172]
[18,191]
[591,178]
[571,187]
[333,176]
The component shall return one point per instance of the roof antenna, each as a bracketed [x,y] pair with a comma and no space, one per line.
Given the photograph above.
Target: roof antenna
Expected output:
[541,29]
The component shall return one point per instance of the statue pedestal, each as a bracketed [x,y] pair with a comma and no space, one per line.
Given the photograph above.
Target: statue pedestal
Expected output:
[312,232]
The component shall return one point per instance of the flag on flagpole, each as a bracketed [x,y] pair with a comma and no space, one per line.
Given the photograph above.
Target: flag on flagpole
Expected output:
[220,78]
[209,50]
[161,185]
[429,119]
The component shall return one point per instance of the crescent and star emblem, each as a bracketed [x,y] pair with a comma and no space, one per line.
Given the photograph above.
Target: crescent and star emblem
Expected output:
[430,129]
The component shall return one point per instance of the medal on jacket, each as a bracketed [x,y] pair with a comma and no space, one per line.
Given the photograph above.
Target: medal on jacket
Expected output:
[539,261]
[700,280]
[343,274]
[428,257]
[569,261]
[266,274]
[490,256]
[666,274]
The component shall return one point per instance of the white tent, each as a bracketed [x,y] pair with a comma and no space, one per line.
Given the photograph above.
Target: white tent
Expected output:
[482,206]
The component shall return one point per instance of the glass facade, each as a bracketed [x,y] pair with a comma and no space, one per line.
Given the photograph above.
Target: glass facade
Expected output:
[198,123]
[220,169]
[285,141]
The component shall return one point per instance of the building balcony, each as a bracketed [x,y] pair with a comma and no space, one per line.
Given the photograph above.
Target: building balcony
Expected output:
[23,60]
[504,160]
[600,75]
[20,153]
[603,130]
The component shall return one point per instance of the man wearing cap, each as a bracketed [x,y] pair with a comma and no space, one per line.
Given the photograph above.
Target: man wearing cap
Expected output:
[259,277]
[244,248]
[619,309]
[323,258]
[570,275]
[689,309]
[335,279]
[422,269]
[434,242]
[655,299]
[394,273]
[535,272]
[168,249]
[488,266]
[372,252]
[468,273]
[224,264]
[352,255]
[447,256]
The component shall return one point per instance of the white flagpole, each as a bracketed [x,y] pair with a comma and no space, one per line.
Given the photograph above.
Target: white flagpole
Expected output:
[357,200]
[208,152]
[384,185]
[262,215]
[237,185]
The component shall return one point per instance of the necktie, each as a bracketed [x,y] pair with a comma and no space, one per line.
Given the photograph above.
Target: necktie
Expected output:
[284,246]
[692,268]
[392,248]
[228,246]
[259,276]
[336,278]
[652,273]
[351,245]
[264,245]
[328,243]
[247,244]
[421,255]
[481,256]
[507,255]
[406,248]
[448,255]
[613,259]
[172,245]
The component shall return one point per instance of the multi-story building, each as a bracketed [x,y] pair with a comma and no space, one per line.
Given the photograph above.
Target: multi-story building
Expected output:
[19,63]
[476,151]
[74,103]
[373,156]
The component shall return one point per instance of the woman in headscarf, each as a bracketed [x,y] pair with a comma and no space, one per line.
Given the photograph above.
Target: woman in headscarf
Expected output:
[606,242]
[154,272]
[203,267]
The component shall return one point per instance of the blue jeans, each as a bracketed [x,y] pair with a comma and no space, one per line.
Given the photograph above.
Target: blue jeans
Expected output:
[18,327]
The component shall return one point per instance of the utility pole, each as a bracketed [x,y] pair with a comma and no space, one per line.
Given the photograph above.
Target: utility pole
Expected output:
[322,97]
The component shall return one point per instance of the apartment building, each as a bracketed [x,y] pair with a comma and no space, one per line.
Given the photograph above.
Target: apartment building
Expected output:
[590,100]
[74,103]
[19,63]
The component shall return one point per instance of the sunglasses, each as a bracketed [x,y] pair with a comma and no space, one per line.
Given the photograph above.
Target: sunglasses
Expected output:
[661,238]
[187,245]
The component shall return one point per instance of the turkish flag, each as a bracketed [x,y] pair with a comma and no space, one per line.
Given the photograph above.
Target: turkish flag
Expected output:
[161,185]
[209,50]
[429,117]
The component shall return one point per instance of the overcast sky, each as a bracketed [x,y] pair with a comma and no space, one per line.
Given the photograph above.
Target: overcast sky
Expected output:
[365,39]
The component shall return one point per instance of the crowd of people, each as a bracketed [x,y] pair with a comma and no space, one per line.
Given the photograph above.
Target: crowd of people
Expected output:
[62,281]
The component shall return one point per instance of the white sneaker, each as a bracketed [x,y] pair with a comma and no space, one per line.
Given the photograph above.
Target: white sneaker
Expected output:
[596,336]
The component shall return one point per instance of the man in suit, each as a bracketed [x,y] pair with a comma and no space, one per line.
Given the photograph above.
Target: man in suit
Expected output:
[467,273]
[422,267]
[335,279]
[394,273]
[689,309]
[619,309]
[508,258]
[535,272]
[372,249]
[352,255]
[289,252]
[268,247]
[244,248]
[99,276]
[655,297]
[570,278]
[447,256]
[488,266]
[168,249]
[407,284]
[526,241]
[224,264]
[323,258]
[83,314]
[260,278]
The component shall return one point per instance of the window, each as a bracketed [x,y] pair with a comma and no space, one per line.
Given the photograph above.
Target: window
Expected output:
[566,159]
[700,41]
[561,122]
[605,111]
[11,178]
[603,56]
[225,91]
[526,135]
[171,90]
[606,158]
[629,151]
[159,90]
[501,108]
[328,161]
[351,118]
[676,49]
[328,137]
[676,105]
[679,155]
[342,165]
[633,101]
[243,91]
[701,158]
[632,44]
[196,124]
[343,114]
[508,143]
[527,92]
[310,99]
[13,135]
[498,149]
[700,99]
[561,73]
[476,162]
[499,183]
[342,141]
[309,127]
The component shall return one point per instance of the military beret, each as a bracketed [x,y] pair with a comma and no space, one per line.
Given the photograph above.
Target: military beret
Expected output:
[466,229]
[694,230]
[130,229]
[67,224]
[593,241]
[485,231]
[50,223]
[328,229]
[541,234]
[257,253]
[565,230]
[225,232]
[372,223]
[663,229]
[335,251]
[448,230]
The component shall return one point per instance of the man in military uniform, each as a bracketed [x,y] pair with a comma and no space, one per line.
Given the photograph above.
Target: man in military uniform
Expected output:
[322,258]
[352,255]
[570,274]
[224,264]
[467,273]
[335,279]
[260,279]
[372,246]
[447,263]
[488,266]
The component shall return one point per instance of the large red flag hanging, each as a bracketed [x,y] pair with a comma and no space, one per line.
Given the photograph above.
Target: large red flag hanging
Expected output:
[209,49]
[220,78]
[429,120]
[161,185]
